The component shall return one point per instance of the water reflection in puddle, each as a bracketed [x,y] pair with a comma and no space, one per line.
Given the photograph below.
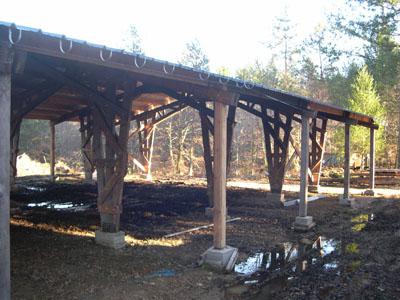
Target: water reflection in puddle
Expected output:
[273,270]
[35,188]
[66,206]
[287,253]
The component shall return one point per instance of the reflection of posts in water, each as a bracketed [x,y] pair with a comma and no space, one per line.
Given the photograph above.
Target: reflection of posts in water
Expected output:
[302,263]
[265,260]
[318,244]
[277,257]
[281,258]
[274,263]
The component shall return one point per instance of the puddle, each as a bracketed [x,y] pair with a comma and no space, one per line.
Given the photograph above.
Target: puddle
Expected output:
[65,206]
[35,188]
[275,268]
[280,256]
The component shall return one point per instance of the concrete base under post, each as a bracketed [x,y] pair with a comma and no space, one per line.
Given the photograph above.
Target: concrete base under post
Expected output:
[369,192]
[115,240]
[303,223]
[276,197]
[313,188]
[344,200]
[220,259]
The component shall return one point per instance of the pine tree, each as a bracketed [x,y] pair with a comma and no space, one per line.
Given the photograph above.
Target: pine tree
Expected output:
[364,99]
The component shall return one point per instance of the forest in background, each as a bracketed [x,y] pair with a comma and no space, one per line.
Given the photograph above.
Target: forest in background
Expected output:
[353,61]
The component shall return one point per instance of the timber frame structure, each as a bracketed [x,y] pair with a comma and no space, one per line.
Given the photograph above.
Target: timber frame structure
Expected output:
[51,77]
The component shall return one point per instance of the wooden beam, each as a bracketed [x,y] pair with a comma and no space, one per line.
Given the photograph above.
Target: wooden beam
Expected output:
[190,101]
[88,91]
[176,106]
[29,103]
[71,115]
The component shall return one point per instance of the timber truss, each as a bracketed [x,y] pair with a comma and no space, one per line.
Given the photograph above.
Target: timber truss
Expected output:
[146,126]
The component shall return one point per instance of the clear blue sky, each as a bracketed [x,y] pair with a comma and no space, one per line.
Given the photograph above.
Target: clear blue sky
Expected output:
[230,32]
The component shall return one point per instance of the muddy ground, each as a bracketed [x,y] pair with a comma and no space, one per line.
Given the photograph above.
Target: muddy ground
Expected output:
[54,255]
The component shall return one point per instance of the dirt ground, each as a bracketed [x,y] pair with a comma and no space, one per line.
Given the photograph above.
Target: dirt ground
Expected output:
[54,255]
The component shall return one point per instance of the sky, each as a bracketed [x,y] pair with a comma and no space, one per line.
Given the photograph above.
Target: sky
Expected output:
[232,33]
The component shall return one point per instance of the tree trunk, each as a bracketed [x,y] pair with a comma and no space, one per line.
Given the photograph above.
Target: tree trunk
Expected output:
[398,146]
[171,145]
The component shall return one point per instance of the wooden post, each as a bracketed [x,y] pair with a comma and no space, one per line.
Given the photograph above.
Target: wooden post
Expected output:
[276,153]
[220,256]
[305,133]
[146,144]
[346,191]
[231,127]
[86,147]
[111,159]
[15,134]
[303,221]
[220,142]
[5,119]
[370,191]
[208,164]
[52,150]
[372,159]
[317,137]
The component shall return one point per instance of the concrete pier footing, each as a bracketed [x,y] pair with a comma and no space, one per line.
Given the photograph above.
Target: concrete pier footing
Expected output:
[343,200]
[303,223]
[115,240]
[220,259]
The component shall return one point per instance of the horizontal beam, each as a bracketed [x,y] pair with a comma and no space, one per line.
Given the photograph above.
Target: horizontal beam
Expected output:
[72,115]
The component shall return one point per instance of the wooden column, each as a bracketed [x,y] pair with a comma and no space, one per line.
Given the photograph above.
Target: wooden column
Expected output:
[317,136]
[206,132]
[52,150]
[220,142]
[14,139]
[372,160]
[304,222]
[146,143]
[346,175]
[305,133]
[276,149]
[86,146]
[230,129]
[110,158]
[5,119]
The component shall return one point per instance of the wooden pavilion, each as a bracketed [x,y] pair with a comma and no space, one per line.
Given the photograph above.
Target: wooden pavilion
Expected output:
[51,77]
